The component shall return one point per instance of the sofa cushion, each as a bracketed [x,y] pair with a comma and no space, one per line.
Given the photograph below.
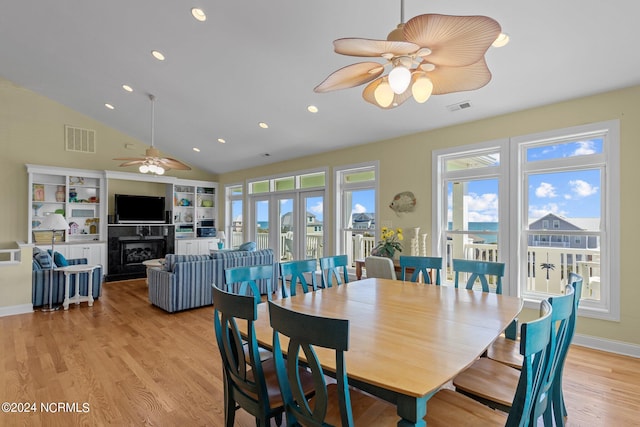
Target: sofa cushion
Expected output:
[35,266]
[170,260]
[248,246]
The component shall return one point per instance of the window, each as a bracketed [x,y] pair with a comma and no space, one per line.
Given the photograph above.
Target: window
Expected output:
[356,201]
[287,214]
[550,198]
[233,217]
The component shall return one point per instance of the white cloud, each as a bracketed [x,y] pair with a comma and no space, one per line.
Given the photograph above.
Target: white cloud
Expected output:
[316,209]
[546,190]
[536,212]
[582,188]
[483,207]
[238,218]
[358,208]
[584,148]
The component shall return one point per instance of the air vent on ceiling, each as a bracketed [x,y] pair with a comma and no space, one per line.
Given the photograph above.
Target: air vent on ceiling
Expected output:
[459,106]
[80,140]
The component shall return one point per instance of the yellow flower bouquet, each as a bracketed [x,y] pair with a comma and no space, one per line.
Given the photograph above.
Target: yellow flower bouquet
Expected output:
[390,242]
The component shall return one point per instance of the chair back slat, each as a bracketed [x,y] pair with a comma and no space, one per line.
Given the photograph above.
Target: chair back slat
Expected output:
[293,273]
[421,264]
[306,332]
[479,270]
[247,279]
[334,268]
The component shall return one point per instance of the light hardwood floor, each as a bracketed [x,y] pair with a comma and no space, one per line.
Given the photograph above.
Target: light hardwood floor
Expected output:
[124,362]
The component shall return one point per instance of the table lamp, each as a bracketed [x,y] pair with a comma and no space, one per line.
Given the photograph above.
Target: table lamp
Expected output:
[54,222]
[221,238]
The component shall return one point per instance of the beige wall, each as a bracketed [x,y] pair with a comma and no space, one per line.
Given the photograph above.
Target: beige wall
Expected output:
[405,164]
[31,131]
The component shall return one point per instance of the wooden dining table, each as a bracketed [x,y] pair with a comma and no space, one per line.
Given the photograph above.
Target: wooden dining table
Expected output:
[406,339]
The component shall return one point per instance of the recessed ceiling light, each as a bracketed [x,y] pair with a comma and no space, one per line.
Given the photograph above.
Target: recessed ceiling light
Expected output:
[263,125]
[501,40]
[196,149]
[109,106]
[127,88]
[221,141]
[158,55]
[199,14]
[312,109]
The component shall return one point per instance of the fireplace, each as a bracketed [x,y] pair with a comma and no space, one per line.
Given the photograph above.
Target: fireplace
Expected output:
[135,251]
[131,245]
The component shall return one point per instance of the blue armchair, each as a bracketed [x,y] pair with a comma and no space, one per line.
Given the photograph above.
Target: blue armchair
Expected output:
[41,278]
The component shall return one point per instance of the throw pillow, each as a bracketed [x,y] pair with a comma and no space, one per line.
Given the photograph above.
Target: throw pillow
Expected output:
[248,246]
[35,266]
[44,259]
[59,260]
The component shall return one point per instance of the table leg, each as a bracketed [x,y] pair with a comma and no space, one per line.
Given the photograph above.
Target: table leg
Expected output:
[65,304]
[358,270]
[412,411]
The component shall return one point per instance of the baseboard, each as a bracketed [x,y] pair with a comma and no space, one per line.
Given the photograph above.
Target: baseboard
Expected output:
[16,309]
[604,344]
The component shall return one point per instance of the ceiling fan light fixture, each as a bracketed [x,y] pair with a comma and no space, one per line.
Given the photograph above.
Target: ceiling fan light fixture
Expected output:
[422,88]
[143,169]
[399,79]
[383,94]
[501,40]
[159,170]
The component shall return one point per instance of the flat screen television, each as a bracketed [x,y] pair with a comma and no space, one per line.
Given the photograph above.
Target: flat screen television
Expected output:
[130,209]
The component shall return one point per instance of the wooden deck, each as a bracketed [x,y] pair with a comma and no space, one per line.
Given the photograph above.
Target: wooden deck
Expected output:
[125,362]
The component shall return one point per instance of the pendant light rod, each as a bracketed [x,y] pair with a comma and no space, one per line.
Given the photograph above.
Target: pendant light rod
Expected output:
[402,11]
[153,115]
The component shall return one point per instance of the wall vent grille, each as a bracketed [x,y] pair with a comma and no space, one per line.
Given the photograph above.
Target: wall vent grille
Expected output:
[459,106]
[80,140]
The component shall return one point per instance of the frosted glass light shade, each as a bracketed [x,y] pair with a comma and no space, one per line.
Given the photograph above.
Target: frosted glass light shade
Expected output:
[159,170]
[383,94]
[421,89]
[399,79]
[143,168]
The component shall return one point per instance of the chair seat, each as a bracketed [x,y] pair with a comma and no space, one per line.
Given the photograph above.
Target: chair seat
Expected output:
[448,408]
[506,351]
[367,410]
[490,380]
[273,386]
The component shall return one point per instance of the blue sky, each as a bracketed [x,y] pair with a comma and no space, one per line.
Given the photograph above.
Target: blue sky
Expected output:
[574,194]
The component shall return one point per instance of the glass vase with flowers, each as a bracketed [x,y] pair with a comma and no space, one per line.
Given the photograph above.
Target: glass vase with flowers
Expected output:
[389,242]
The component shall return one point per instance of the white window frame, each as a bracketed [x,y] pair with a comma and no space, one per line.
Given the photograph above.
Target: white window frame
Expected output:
[340,246]
[511,220]
[228,218]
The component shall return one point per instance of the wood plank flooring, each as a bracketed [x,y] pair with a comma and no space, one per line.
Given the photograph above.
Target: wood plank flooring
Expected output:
[124,362]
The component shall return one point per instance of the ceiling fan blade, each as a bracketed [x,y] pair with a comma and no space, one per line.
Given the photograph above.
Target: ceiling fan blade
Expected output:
[454,40]
[173,164]
[369,95]
[369,47]
[131,162]
[350,76]
[459,79]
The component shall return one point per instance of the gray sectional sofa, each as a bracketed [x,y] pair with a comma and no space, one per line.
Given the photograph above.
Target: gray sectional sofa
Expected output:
[185,280]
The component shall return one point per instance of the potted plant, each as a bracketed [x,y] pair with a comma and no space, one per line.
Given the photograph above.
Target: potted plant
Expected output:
[389,243]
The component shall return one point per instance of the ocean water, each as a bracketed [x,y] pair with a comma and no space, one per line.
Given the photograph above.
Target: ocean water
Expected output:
[483,226]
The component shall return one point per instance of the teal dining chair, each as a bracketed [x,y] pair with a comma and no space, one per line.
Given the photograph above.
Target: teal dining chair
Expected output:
[333,404]
[479,270]
[249,383]
[244,280]
[421,264]
[334,267]
[448,407]
[557,396]
[495,384]
[292,272]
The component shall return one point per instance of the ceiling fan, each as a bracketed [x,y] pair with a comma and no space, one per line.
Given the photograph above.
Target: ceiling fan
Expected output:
[428,55]
[153,162]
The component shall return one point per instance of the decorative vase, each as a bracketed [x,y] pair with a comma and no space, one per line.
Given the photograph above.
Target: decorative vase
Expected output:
[60,194]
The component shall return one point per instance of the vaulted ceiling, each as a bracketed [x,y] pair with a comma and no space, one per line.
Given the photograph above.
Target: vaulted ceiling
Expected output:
[258,61]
